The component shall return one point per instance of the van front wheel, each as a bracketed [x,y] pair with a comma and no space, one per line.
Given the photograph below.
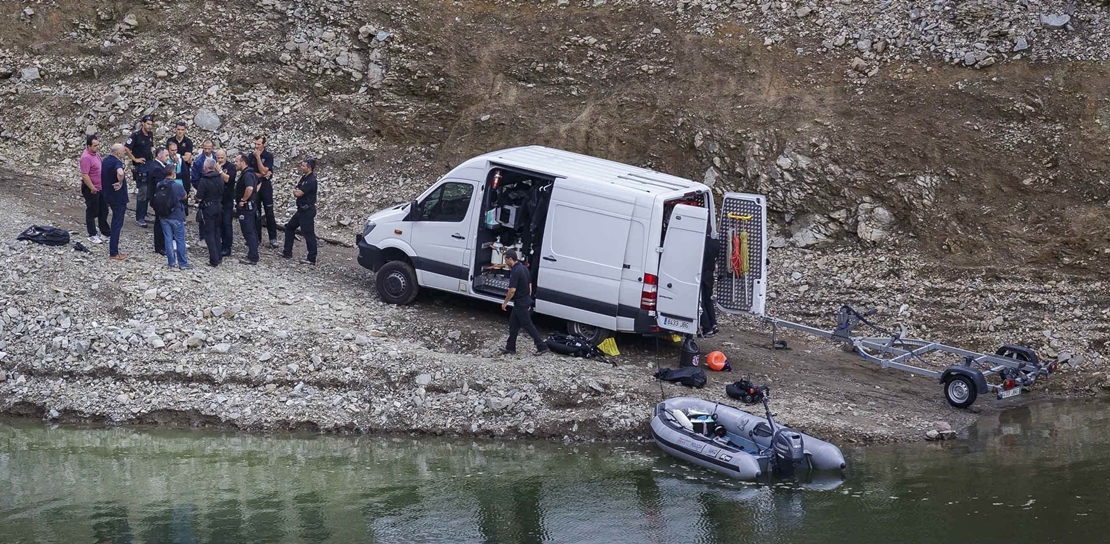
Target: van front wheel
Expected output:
[593,335]
[396,283]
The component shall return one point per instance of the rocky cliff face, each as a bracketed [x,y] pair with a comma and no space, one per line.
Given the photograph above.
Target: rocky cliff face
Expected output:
[975,128]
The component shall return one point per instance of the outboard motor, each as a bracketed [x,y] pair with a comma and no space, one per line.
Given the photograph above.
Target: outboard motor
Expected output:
[789,451]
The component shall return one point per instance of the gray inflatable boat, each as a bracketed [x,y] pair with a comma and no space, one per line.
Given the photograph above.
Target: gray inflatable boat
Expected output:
[736,443]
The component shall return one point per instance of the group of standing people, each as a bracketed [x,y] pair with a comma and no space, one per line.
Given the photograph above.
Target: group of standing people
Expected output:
[165,178]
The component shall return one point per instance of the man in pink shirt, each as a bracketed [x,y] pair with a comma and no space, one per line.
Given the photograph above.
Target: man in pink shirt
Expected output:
[96,208]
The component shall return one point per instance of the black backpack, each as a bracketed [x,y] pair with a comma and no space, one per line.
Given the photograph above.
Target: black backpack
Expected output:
[163,199]
[745,391]
[45,235]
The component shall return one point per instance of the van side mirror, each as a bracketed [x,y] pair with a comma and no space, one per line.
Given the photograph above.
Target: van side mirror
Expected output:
[413,214]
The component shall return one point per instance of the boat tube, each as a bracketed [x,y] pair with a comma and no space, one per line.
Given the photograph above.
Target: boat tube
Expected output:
[736,443]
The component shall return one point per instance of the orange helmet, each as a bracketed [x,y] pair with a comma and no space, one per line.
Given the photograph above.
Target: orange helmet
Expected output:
[716,360]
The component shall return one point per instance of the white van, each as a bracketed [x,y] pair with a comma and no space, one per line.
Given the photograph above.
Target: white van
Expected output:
[611,247]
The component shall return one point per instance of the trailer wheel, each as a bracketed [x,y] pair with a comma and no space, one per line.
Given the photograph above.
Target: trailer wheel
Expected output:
[593,335]
[960,391]
[396,283]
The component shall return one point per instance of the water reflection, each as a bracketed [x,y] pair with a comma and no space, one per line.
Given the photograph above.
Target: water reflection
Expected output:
[1042,467]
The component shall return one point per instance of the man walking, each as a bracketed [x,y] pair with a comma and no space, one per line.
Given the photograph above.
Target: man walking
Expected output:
[263,163]
[228,204]
[139,148]
[157,172]
[247,208]
[305,217]
[114,182]
[169,200]
[96,209]
[210,194]
[708,272]
[520,293]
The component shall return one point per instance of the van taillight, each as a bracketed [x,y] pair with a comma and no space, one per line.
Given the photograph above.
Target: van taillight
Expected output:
[650,293]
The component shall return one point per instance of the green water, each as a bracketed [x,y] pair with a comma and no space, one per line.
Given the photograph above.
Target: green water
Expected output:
[1034,474]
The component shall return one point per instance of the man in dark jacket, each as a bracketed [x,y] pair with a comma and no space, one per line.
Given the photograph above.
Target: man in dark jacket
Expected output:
[708,271]
[246,207]
[228,173]
[208,151]
[520,293]
[305,217]
[209,197]
[156,172]
[114,183]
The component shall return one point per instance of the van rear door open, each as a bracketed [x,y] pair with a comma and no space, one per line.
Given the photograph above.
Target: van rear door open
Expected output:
[741,285]
[680,269]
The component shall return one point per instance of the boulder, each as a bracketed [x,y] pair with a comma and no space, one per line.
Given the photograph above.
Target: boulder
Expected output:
[207,120]
[196,340]
[30,73]
[711,176]
[375,75]
[874,223]
[1055,21]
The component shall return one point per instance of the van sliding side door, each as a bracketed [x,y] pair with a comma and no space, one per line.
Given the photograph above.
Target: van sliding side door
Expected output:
[581,263]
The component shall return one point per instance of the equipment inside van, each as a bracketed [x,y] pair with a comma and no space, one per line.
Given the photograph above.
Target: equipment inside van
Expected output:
[610,247]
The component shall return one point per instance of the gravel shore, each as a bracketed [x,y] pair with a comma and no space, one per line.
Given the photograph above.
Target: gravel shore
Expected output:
[281,346]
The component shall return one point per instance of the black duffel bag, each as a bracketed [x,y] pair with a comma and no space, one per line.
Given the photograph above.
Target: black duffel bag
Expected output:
[46,235]
[690,376]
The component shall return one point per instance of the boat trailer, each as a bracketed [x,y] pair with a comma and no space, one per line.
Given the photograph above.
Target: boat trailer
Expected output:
[1016,367]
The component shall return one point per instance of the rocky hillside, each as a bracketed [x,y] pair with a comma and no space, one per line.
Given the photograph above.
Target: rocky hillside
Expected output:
[975,130]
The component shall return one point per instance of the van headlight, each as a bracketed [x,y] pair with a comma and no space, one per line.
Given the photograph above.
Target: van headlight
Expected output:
[369,226]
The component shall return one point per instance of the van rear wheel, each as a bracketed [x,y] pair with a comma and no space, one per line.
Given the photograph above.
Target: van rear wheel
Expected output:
[396,283]
[593,335]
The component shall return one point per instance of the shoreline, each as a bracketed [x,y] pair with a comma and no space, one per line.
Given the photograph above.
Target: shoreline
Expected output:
[282,347]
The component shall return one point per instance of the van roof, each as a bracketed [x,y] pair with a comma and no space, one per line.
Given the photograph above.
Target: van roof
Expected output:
[559,163]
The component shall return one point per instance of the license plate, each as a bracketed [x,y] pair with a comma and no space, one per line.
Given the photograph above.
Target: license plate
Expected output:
[677,323]
[1011,393]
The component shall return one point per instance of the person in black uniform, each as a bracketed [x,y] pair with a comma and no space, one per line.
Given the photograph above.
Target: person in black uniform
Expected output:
[185,151]
[520,293]
[140,148]
[246,208]
[305,217]
[263,163]
[210,195]
[708,272]
[228,175]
